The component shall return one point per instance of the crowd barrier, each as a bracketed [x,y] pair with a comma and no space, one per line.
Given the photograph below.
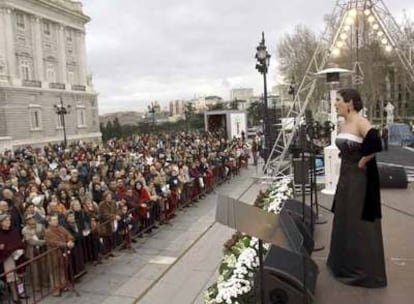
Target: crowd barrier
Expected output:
[53,271]
[48,273]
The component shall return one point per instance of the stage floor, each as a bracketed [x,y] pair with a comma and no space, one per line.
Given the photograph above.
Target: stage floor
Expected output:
[398,227]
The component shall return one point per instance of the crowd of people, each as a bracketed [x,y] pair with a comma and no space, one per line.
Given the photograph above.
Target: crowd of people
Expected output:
[84,201]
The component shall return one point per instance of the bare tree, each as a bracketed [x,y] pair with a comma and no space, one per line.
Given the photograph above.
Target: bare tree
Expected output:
[295,51]
[384,77]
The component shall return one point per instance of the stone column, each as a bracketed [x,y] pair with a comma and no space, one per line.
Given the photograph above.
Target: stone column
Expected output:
[6,33]
[37,49]
[81,49]
[62,76]
[3,62]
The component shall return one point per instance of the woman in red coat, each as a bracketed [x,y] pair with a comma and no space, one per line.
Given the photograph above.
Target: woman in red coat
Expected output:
[144,199]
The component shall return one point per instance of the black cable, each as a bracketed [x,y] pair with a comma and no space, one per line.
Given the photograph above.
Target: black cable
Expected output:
[383,204]
[398,210]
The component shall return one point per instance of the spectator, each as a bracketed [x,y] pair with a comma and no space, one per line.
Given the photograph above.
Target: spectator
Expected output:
[11,249]
[384,136]
[61,242]
[33,236]
[108,222]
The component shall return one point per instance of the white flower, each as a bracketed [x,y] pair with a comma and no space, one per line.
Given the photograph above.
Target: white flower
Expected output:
[242,266]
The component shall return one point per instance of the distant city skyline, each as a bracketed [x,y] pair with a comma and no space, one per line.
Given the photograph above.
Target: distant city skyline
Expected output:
[140,51]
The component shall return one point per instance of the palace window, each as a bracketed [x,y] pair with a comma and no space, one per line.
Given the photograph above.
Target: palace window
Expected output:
[69,35]
[81,113]
[20,20]
[71,77]
[50,72]
[94,115]
[35,113]
[25,69]
[46,28]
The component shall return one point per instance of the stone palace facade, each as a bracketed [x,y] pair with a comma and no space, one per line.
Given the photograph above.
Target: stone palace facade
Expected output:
[43,61]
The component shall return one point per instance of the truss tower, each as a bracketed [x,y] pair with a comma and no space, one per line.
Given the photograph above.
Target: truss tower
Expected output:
[352,21]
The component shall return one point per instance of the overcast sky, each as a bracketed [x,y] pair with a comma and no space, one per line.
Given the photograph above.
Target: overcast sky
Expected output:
[144,50]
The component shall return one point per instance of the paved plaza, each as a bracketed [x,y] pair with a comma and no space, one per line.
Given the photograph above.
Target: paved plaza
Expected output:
[177,263]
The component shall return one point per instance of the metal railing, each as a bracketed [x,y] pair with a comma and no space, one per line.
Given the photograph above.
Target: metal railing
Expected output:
[50,272]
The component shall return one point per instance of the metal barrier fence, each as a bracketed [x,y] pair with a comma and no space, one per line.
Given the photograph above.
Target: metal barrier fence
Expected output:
[52,271]
[31,281]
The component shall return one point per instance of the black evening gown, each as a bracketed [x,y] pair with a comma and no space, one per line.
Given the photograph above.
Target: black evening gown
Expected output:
[356,254]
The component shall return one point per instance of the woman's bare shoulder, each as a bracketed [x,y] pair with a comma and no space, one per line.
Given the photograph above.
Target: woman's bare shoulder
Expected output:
[364,126]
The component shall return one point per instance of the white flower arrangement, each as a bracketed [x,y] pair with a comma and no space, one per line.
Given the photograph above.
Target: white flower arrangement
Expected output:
[235,283]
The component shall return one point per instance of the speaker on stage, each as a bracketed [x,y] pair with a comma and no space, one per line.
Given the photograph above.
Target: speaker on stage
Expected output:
[301,171]
[306,232]
[295,209]
[289,274]
[392,177]
[283,277]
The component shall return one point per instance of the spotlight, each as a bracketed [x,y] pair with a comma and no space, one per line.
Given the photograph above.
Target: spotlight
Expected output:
[340,44]
[349,20]
[343,36]
[388,48]
[336,52]
[352,13]
[371,19]
[375,26]
[367,12]
[380,33]
[384,41]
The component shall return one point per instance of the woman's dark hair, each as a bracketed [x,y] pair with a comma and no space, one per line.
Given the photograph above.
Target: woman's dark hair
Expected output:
[352,94]
[138,183]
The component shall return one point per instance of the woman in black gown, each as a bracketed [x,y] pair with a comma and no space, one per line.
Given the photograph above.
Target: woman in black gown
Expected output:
[356,254]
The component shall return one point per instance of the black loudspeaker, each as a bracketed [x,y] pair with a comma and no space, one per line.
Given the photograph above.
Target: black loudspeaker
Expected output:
[286,266]
[301,171]
[306,232]
[283,277]
[392,177]
[295,209]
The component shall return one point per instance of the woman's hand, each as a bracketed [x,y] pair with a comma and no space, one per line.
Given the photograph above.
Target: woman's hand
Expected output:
[362,163]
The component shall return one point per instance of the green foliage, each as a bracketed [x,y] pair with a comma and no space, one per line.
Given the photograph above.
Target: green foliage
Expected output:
[116,130]
[254,113]
[234,105]
[217,107]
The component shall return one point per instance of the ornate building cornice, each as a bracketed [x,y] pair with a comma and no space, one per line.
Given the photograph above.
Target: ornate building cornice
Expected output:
[73,9]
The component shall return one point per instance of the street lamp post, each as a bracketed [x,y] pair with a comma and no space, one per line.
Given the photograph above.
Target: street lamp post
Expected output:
[263,60]
[61,110]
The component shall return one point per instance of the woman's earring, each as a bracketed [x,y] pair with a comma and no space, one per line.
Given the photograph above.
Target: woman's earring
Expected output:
[349,110]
